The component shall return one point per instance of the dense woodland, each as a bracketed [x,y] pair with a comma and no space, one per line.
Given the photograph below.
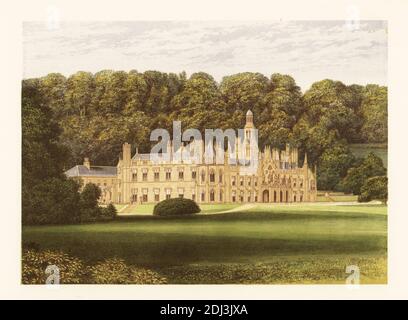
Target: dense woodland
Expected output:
[91,115]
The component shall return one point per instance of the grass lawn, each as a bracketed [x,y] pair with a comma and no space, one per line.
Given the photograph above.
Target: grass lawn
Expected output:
[335,197]
[265,244]
[148,208]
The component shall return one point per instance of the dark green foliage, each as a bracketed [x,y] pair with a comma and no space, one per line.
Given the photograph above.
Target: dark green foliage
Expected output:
[98,112]
[74,271]
[375,188]
[42,156]
[52,201]
[333,166]
[89,202]
[176,206]
[109,212]
[371,166]
[374,112]
[47,196]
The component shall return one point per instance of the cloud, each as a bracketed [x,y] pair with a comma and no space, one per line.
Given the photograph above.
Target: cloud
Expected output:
[307,50]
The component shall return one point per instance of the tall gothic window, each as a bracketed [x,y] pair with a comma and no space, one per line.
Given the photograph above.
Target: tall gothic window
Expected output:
[168,174]
[212,176]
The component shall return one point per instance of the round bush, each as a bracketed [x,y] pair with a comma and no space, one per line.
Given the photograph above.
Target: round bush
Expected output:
[175,207]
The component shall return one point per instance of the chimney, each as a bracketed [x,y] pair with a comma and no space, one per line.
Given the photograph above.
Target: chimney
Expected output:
[126,154]
[87,163]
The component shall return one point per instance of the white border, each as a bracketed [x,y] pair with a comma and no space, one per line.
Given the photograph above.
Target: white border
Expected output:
[15,12]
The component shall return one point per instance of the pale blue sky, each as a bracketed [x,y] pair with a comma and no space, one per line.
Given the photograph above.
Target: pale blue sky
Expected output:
[307,50]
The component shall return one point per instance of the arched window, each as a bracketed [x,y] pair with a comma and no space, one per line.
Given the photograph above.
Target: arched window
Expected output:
[212,195]
[220,177]
[202,176]
[212,176]
[312,185]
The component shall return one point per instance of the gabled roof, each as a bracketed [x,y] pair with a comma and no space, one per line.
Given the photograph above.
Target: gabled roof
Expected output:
[141,156]
[83,171]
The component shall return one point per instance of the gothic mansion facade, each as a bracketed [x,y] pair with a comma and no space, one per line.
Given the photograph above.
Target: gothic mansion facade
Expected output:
[136,179]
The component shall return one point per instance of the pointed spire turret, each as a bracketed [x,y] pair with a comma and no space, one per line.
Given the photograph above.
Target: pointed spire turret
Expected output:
[249,119]
[305,162]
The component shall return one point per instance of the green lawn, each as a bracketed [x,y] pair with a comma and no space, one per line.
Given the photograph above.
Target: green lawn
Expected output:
[148,208]
[335,197]
[266,244]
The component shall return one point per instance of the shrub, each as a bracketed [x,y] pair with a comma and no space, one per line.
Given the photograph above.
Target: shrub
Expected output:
[371,166]
[34,264]
[110,211]
[375,188]
[176,206]
[53,201]
[74,271]
[89,200]
[31,245]
[116,271]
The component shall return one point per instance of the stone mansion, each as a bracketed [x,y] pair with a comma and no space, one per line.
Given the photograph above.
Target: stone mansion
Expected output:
[137,179]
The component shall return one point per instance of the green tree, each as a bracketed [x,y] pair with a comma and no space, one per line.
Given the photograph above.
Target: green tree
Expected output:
[199,104]
[281,109]
[333,166]
[331,104]
[52,89]
[110,211]
[375,188]
[371,166]
[374,112]
[89,200]
[47,196]
[42,156]
[110,95]
[103,136]
[51,201]
[243,91]
[136,88]
[80,88]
